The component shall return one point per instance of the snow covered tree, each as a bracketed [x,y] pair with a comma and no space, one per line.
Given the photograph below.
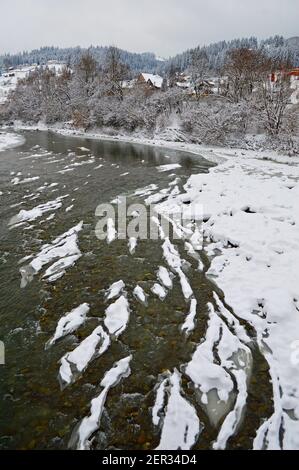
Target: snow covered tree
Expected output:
[115,72]
[272,101]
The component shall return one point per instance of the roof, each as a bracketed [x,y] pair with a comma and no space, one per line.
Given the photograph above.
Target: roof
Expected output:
[156,80]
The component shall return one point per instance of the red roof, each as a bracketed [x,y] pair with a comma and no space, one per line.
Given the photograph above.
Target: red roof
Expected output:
[294,72]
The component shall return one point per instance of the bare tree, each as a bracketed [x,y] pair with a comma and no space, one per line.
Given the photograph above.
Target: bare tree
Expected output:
[199,69]
[115,72]
[272,101]
[243,69]
[87,67]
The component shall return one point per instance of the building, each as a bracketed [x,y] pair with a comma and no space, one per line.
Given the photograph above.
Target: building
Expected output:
[154,82]
[294,73]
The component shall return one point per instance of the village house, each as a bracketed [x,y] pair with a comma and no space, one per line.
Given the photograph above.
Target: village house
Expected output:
[154,82]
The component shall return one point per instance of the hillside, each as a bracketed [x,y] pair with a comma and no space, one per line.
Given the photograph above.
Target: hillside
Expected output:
[275,46]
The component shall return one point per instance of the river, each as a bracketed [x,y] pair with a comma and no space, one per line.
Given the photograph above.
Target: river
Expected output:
[37,410]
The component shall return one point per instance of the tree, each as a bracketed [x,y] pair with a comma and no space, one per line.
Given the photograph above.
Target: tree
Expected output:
[86,73]
[243,68]
[115,72]
[199,68]
[272,101]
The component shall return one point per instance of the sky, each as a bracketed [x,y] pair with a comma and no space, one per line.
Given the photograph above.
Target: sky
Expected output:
[165,27]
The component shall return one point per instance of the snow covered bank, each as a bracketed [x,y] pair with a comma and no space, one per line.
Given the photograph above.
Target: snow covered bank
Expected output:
[168,141]
[251,230]
[10,140]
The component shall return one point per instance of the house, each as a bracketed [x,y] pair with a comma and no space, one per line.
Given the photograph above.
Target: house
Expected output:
[183,81]
[154,82]
[294,73]
[204,87]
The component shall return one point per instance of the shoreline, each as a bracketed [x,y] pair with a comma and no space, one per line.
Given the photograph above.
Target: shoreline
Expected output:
[214,154]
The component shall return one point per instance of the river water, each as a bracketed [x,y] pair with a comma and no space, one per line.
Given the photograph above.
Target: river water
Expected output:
[37,412]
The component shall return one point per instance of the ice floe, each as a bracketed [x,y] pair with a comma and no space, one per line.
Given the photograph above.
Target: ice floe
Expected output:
[75,362]
[189,323]
[215,376]
[140,295]
[179,421]
[90,424]
[17,180]
[70,323]
[159,291]
[38,211]
[170,167]
[115,290]
[132,244]
[164,277]
[63,250]
[10,140]
[117,316]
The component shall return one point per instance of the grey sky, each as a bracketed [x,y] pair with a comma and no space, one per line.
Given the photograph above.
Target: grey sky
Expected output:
[162,26]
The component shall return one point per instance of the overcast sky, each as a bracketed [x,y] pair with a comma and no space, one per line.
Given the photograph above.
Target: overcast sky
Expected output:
[161,26]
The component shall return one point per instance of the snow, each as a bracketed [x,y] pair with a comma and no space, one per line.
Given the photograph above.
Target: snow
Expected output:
[209,376]
[63,249]
[251,230]
[111,232]
[132,244]
[92,422]
[70,323]
[170,167]
[95,345]
[9,83]
[180,425]
[159,291]
[295,93]
[145,191]
[189,324]
[164,277]
[36,212]
[57,269]
[174,261]
[140,295]
[117,316]
[17,180]
[156,80]
[10,140]
[115,290]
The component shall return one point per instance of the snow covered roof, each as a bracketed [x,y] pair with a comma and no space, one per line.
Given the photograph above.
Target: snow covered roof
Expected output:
[156,80]
[183,84]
